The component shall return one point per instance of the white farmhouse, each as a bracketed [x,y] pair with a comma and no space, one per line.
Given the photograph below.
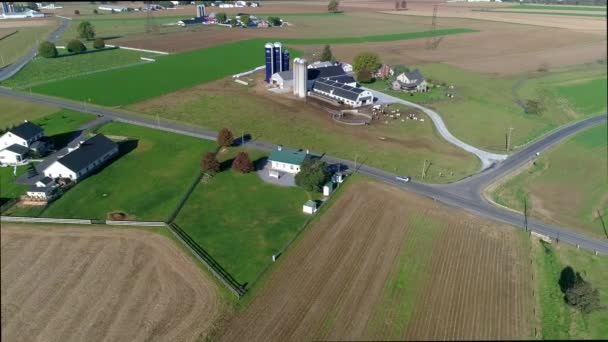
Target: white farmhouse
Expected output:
[87,157]
[287,160]
[24,135]
[410,81]
[14,154]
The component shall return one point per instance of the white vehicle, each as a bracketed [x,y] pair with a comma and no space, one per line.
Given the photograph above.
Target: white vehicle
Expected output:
[404,179]
[537,154]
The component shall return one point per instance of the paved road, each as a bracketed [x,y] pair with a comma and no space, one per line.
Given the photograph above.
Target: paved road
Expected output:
[11,69]
[462,194]
[487,158]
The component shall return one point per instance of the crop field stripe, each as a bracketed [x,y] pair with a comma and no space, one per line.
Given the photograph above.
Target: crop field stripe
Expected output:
[561,8]
[549,13]
[376,38]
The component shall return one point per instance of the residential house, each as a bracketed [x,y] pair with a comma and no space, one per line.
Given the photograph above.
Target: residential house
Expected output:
[24,134]
[88,156]
[13,155]
[411,81]
[384,71]
[287,160]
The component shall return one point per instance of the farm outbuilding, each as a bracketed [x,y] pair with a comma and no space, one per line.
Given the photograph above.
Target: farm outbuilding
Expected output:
[310,207]
[328,188]
[283,79]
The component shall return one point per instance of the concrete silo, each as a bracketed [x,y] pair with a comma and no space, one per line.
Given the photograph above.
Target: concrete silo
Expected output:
[302,78]
[269,55]
[277,57]
[295,67]
[285,60]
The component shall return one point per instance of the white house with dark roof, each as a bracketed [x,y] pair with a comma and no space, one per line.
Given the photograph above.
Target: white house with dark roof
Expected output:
[24,134]
[14,154]
[88,156]
[410,81]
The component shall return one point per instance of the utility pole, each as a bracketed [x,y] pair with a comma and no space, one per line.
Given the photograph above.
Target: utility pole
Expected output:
[509,139]
[424,169]
[356,162]
[157,121]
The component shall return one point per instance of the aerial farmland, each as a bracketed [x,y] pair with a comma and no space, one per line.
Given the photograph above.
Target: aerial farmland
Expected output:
[329,170]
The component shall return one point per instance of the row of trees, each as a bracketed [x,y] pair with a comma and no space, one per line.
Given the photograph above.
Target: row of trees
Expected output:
[47,49]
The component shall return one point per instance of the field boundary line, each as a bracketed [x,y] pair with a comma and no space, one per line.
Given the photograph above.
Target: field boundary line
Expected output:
[142,50]
[42,220]
[184,198]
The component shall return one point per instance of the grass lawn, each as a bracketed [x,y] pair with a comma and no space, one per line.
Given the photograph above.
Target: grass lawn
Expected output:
[137,83]
[485,106]
[8,188]
[41,70]
[14,111]
[63,121]
[568,184]
[241,221]
[558,319]
[15,46]
[399,147]
[146,183]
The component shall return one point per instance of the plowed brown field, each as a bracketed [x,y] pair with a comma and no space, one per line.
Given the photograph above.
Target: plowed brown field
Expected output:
[86,284]
[341,281]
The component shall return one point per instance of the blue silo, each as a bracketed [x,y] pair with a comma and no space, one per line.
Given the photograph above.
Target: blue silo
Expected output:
[277,57]
[269,55]
[285,60]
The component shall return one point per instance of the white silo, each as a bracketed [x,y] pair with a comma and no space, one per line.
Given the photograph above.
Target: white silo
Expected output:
[303,78]
[295,70]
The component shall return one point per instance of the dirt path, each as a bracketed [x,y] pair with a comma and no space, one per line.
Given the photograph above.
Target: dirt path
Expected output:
[76,284]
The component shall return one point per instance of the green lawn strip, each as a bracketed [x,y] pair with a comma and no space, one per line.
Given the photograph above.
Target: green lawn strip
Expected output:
[376,38]
[241,221]
[63,121]
[146,183]
[137,83]
[41,70]
[548,13]
[407,280]
[586,97]
[558,320]
[8,188]
[577,170]
[560,8]
[14,111]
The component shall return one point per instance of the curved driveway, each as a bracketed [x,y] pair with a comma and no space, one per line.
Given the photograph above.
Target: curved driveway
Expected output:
[464,194]
[11,69]
[487,158]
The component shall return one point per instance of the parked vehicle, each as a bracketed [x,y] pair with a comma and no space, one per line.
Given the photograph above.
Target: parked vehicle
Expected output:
[404,179]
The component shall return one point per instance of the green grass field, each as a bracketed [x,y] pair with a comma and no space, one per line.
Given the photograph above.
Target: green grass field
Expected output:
[375,38]
[42,70]
[485,106]
[15,46]
[8,188]
[570,14]
[568,184]
[146,183]
[170,73]
[241,221]
[560,8]
[14,111]
[558,319]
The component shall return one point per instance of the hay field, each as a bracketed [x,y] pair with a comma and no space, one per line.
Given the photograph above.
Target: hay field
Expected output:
[384,264]
[68,283]
[29,34]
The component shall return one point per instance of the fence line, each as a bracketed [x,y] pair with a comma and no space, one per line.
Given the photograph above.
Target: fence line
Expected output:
[249,72]
[213,266]
[135,223]
[136,49]
[184,198]
[42,220]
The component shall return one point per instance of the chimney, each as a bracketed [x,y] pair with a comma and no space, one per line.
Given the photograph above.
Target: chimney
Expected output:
[280,148]
[307,152]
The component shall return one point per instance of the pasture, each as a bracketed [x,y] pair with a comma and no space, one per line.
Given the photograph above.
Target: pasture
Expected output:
[29,34]
[396,146]
[567,185]
[8,188]
[64,283]
[42,70]
[14,111]
[382,264]
[145,183]
[240,220]
[558,320]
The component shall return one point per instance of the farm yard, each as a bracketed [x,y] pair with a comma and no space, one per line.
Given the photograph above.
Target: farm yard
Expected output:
[381,263]
[242,221]
[226,104]
[64,283]
[565,186]
[144,183]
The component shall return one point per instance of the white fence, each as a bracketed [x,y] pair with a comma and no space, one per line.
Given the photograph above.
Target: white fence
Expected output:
[135,223]
[142,50]
[249,72]
[42,220]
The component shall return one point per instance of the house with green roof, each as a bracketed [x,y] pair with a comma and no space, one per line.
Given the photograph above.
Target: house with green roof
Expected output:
[287,159]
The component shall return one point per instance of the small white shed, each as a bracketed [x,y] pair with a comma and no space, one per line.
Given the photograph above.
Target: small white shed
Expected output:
[310,207]
[328,188]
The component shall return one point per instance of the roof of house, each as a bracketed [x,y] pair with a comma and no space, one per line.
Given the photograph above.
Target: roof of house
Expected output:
[342,79]
[288,155]
[46,181]
[415,75]
[89,151]
[285,75]
[17,149]
[310,203]
[328,71]
[26,130]
[339,89]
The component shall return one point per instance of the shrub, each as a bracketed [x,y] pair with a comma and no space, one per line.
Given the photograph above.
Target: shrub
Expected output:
[365,76]
[76,45]
[274,21]
[583,296]
[86,30]
[77,12]
[210,165]
[242,163]
[95,11]
[313,175]
[224,137]
[333,6]
[99,43]
[221,17]
[47,50]
[534,107]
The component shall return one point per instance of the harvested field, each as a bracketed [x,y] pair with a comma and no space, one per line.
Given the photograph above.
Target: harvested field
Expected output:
[384,264]
[68,283]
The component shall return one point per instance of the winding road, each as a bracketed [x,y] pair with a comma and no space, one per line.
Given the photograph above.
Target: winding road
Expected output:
[465,194]
[11,69]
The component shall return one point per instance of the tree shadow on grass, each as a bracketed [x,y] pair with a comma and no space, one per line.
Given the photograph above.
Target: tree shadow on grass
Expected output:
[260,163]
[226,164]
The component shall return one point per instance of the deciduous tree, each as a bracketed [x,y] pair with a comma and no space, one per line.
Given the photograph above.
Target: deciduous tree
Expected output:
[99,43]
[86,30]
[47,50]
[224,137]
[274,21]
[242,163]
[313,175]
[209,164]
[221,17]
[76,45]
[583,296]
[364,76]
[367,60]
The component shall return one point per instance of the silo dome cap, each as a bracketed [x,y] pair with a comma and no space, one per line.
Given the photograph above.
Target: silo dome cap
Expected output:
[269,45]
